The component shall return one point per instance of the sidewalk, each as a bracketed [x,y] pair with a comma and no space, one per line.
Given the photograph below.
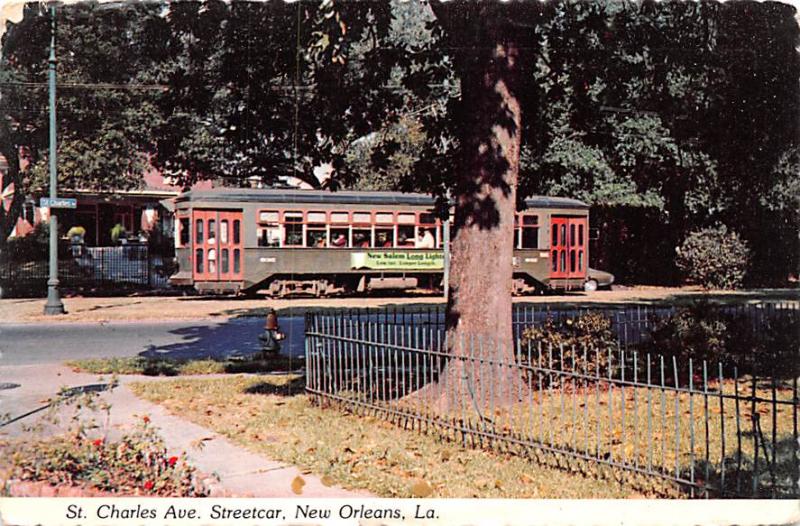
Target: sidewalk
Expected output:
[241,473]
[170,308]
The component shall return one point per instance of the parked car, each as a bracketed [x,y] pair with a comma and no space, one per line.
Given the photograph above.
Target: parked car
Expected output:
[597,279]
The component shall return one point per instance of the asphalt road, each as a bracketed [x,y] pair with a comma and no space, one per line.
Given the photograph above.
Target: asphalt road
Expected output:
[29,344]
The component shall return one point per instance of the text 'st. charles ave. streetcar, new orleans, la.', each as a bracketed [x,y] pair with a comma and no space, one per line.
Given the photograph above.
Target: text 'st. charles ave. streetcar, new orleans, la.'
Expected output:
[304,242]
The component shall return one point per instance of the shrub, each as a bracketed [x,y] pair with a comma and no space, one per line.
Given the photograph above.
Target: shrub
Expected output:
[580,344]
[714,258]
[118,232]
[32,247]
[76,231]
[765,344]
[698,332]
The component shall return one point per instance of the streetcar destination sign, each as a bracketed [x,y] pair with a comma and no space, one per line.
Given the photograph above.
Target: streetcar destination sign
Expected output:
[58,202]
[397,260]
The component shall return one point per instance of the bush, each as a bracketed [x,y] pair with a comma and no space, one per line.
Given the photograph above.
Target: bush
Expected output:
[698,332]
[76,231]
[766,344]
[33,247]
[118,232]
[714,258]
[580,344]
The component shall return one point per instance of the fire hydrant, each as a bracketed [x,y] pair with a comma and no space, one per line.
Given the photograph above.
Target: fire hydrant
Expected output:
[272,335]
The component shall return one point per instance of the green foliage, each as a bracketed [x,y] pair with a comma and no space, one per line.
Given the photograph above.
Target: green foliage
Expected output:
[766,343]
[78,231]
[118,232]
[33,247]
[581,343]
[699,332]
[714,258]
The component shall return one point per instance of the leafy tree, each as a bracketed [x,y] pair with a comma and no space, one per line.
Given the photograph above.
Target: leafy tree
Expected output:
[103,129]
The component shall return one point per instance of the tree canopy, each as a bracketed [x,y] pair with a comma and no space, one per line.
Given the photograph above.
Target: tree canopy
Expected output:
[685,109]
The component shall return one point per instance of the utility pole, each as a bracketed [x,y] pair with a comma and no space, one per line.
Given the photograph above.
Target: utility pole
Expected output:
[54,304]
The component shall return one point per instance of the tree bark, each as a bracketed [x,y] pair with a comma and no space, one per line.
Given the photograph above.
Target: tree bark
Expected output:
[479,309]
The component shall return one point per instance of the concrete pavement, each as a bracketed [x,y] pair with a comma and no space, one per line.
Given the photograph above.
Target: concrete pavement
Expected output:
[240,472]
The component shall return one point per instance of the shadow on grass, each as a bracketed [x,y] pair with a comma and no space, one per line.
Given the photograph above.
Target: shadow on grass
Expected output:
[291,387]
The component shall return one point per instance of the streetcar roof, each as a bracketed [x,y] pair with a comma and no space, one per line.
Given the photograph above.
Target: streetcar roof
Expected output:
[347,197]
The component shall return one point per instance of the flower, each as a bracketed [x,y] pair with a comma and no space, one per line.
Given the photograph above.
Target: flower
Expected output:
[146,419]
[172,460]
[148,485]
[98,442]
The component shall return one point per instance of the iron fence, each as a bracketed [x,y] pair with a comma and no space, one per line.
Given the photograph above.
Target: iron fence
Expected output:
[722,429]
[80,267]
[632,326]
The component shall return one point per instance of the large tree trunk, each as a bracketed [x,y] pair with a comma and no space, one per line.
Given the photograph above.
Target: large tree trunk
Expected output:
[479,315]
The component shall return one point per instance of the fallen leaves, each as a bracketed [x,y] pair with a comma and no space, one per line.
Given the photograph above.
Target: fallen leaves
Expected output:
[297,485]
[421,489]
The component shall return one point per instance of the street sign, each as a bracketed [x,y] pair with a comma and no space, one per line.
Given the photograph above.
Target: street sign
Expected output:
[58,202]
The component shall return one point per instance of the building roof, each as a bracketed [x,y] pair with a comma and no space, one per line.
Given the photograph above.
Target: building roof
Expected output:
[348,197]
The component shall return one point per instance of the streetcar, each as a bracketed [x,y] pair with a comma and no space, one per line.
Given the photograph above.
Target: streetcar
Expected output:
[306,242]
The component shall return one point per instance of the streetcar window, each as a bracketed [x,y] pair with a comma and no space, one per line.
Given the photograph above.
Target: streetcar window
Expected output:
[554,260]
[572,236]
[223,231]
[564,235]
[186,230]
[406,219]
[198,234]
[427,219]
[212,260]
[563,267]
[268,217]
[316,238]
[293,229]
[383,218]
[572,261]
[198,260]
[236,265]
[212,231]
[269,236]
[224,266]
[316,217]
[580,260]
[236,231]
[340,217]
[362,217]
[555,236]
[580,235]
[340,237]
[384,237]
[405,236]
[529,235]
[362,237]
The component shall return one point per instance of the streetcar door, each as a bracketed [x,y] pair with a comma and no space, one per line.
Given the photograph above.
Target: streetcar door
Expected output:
[577,234]
[558,247]
[218,254]
[569,238]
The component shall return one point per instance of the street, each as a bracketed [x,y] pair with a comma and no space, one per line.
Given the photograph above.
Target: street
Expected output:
[40,343]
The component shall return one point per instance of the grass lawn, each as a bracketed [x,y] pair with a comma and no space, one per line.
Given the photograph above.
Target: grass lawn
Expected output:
[169,367]
[271,415]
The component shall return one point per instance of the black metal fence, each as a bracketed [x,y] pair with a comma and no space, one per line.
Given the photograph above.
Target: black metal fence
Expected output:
[719,428]
[81,267]
[631,325]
